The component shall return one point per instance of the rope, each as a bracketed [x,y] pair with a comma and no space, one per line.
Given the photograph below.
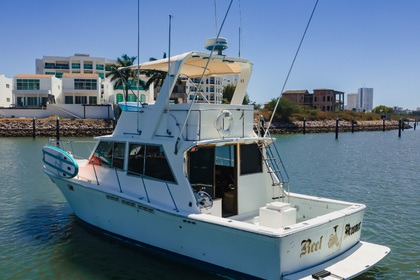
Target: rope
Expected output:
[291,66]
[201,78]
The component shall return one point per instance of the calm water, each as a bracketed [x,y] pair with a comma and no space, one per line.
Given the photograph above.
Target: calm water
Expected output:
[40,238]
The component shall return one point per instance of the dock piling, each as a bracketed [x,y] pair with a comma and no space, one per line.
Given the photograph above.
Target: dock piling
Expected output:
[57,130]
[304,125]
[399,128]
[383,124]
[33,128]
[336,128]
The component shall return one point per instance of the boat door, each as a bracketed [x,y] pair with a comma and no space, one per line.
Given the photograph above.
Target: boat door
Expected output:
[213,169]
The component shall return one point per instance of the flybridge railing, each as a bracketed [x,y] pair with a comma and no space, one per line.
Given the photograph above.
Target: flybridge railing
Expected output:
[207,124]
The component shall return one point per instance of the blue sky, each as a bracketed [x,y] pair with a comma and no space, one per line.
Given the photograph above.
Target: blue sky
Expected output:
[350,43]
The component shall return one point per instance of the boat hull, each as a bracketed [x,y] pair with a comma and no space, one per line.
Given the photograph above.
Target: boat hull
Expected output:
[260,254]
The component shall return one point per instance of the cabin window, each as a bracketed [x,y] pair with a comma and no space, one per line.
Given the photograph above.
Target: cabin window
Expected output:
[110,154]
[150,161]
[251,159]
[136,159]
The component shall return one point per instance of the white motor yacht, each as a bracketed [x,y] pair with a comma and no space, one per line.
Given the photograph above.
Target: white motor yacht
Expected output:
[197,180]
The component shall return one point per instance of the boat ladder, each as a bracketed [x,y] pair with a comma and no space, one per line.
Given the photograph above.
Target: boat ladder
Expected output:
[275,165]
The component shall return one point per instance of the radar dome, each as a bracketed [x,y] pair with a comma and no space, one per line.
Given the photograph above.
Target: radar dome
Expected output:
[219,44]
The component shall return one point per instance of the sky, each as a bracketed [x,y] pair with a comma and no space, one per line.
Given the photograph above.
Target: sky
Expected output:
[349,44]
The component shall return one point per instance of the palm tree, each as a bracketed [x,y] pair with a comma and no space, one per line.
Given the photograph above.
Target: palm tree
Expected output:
[123,77]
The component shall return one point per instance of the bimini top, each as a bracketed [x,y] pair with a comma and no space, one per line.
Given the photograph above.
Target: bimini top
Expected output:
[194,63]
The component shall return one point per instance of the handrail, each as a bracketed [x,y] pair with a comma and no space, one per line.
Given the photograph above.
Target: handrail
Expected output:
[170,193]
[118,179]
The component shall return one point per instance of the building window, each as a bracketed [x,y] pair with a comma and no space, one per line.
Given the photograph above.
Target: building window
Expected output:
[7,99]
[75,65]
[88,66]
[80,100]
[27,84]
[93,100]
[149,161]
[32,101]
[88,84]
[59,75]
[99,67]
[328,98]
[7,86]
[101,75]
[68,99]
[142,98]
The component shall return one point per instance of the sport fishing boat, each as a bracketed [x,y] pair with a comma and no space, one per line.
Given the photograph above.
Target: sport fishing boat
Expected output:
[196,179]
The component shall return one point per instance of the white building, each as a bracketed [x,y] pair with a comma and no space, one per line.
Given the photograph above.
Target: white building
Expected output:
[76,64]
[6,87]
[81,89]
[35,90]
[352,101]
[365,99]
[211,88]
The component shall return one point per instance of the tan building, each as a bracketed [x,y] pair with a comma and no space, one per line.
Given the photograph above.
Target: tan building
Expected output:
[322,99]
[300,97]
[328,100]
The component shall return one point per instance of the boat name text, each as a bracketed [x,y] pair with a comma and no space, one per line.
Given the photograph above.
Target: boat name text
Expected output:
[350,230]
[309,246]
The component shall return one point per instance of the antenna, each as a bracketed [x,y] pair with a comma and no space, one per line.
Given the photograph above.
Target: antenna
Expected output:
[215,16]
[240,28]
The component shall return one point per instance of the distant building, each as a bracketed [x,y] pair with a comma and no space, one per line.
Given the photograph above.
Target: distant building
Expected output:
[35,90]
[352,101]
[76,64]
[211,88]
[322,99]
[6,91]
[365,99]
[328,100]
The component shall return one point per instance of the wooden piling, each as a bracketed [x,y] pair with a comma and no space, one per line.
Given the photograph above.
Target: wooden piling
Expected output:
[352,125]
[33,128]
[399,128]
[57,131]
[383,124]
[415,124]
[304,125]
[336,128]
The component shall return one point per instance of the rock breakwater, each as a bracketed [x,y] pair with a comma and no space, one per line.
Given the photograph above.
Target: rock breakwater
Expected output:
[329,126]
[23,127]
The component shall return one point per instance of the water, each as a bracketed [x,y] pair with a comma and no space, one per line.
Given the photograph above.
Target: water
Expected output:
[40,238]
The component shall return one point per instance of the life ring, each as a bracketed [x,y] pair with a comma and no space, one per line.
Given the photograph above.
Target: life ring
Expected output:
[224,123]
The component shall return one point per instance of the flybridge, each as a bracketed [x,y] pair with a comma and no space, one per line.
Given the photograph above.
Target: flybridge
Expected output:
[198,64]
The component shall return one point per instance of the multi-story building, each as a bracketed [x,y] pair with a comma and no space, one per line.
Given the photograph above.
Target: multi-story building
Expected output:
[322,99]
[210,89]
[300,97]
[81,89]
[76,64]
[352,101]
[365,99]
[35,90]
[6,91]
